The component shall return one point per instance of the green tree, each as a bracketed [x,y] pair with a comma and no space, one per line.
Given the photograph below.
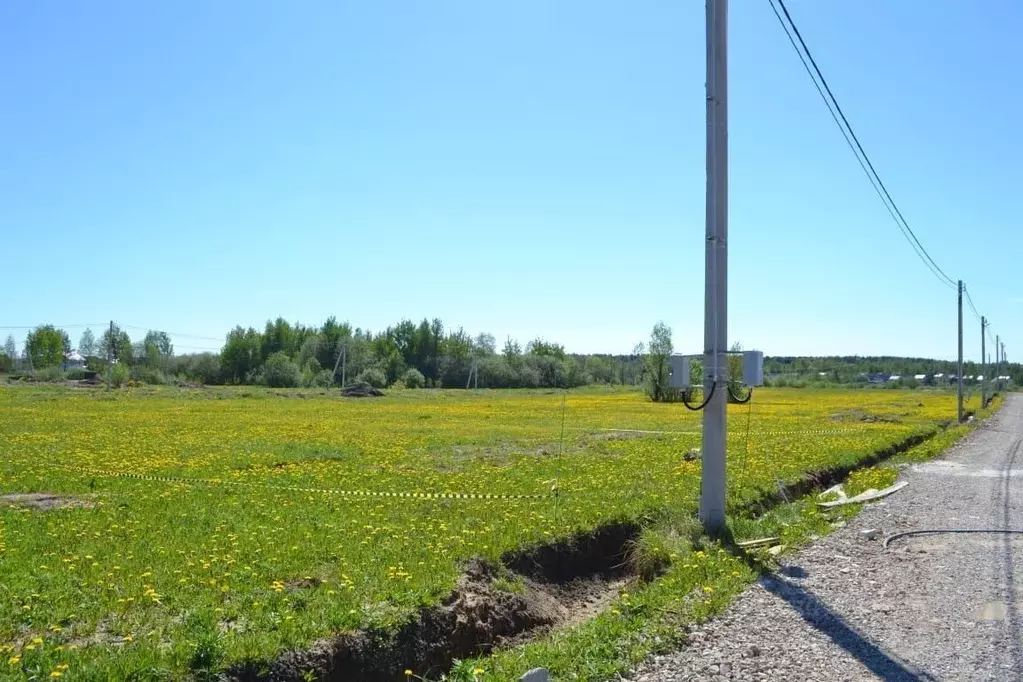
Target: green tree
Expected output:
[544,348]
[334,335]
[657,370]
[11,348]
[279,371]
[157,348]
[485,344]
[280,336]
[46,346]
[241,354]
[87,344]
[117,344]
[512,352]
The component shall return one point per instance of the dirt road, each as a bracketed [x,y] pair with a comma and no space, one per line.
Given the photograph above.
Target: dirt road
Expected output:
[930,607]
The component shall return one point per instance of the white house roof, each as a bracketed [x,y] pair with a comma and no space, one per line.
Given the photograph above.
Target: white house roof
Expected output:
[939,375]
[980,377]
[969,377]
[74,356]
[919,377]
[822,374]
[894,377]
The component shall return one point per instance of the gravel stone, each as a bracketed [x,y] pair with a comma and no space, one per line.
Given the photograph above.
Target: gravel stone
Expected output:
[930,607]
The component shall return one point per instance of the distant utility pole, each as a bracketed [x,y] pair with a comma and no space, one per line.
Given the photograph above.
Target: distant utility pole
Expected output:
[983,370]
[959,378]
[1004,367]
[998,363]
[342,361]
[715,334]
[110,357]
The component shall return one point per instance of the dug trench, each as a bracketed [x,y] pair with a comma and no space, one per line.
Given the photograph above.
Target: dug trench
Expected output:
[530,592]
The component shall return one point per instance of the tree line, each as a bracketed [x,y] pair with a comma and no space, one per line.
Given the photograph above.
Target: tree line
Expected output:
[424,354]
[285,354]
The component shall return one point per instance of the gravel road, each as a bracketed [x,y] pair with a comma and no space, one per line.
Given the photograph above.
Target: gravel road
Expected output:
[930,607]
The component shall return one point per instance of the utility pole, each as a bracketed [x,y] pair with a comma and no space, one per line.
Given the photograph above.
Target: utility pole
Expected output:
[983,370]
[110,357]
[715,334]
[1004,367]
[959,378]
[998,362]
[342,361]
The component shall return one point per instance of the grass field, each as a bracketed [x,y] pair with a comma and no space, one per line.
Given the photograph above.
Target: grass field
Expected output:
[219,527]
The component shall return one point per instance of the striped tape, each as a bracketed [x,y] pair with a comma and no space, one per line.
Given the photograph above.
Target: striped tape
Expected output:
[322,491]
[818,432]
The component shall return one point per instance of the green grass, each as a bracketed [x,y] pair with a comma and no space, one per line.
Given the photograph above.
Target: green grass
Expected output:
[210,542]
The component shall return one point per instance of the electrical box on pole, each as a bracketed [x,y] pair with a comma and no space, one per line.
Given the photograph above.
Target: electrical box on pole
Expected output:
[680,369]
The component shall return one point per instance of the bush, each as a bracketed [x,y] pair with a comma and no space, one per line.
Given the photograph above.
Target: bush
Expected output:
[148,375]
[413,378]
[373,376]
[319,379]
[52,373]
[280,372]
[80,373]
[120,375]
[495,372]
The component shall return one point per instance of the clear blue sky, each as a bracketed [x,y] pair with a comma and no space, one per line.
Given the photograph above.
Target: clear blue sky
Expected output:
[526,168]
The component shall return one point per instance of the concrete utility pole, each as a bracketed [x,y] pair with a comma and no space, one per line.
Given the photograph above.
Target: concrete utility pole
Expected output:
[1003,370]
[110,357]
[998,362]
[959,378]
[715,334]
[983,370]
[341,360]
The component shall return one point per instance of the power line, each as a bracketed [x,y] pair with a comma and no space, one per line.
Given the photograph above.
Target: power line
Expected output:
[184,336]
[854,143]
[969,300]
[58,326]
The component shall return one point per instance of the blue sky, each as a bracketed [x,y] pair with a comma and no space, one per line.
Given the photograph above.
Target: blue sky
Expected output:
[525,168]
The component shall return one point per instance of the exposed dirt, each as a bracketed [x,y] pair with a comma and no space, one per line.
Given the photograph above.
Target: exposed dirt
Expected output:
[857,415]
[361,391]
[618,435]
[533,591]
[44,501]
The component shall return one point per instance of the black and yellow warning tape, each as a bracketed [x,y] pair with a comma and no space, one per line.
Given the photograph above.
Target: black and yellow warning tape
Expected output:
[323,491]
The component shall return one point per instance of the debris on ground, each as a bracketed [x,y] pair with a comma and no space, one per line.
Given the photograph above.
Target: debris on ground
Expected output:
[361,391]
[865,496]
[760,542]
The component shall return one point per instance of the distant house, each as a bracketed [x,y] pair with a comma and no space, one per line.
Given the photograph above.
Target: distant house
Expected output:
[980,377]
[877,378]
[920,377]
[894,377]
[73,360]
[939,376]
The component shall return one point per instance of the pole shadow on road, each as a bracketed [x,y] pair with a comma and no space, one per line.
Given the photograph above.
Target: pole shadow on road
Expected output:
[817,614]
